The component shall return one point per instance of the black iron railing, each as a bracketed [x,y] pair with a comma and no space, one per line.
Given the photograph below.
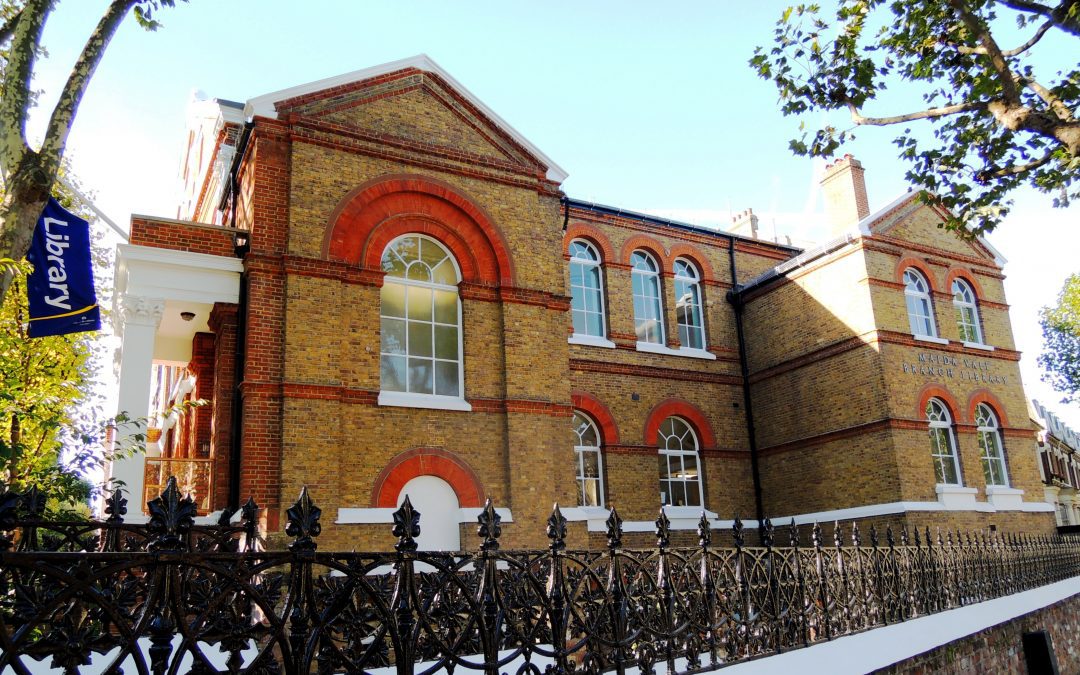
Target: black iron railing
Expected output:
[79,596]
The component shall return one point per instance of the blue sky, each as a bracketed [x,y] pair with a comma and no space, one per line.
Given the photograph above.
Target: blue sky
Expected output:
[647,105]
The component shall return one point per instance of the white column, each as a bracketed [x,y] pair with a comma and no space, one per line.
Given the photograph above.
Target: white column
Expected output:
[138,318]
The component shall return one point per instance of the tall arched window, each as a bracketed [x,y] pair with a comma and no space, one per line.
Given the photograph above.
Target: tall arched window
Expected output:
[688,305]
[967,312]
[942,443]
[590,475]
[680,473]
[586,290]
[420,320]
[919,308]
[648,309]
[990,446]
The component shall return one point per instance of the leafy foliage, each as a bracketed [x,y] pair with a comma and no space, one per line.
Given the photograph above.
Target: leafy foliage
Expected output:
[995,124]
[1061,335]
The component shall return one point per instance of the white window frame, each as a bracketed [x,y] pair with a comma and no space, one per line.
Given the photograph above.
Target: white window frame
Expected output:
[941,426]
[966,304]
[917,290]
[650,278]
[989,431]
[686,273]
[580,449]
[669,453]
[588,265]
[411,399]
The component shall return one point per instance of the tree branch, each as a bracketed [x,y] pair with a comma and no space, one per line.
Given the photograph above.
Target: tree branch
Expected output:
[988,175]
[15,99]
[1056,104]
[1011,52]
[52,148]
[1061,16]
[997,61]
[932,113]
[9,27]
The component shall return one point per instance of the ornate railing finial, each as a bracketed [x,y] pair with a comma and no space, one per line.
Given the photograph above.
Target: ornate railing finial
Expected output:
[737,531]
[889,539]
[614,529]
[116,506]
[33,503]
[303,522]
[406,527]
[171,518]
[856,538]
[556,529]
[489,527]
[873,536]
[767,533]
[663,529]
[837,534]
[815,535]
[794,537]
[704,531]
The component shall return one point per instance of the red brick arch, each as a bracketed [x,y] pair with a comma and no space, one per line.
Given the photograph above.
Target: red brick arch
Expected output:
[920,265]
[986,396]
[687,411]
[592,235]
[966,275]
[427,462]
[695,256]
[640,241]
[930,391]
[590,405]
[375,213]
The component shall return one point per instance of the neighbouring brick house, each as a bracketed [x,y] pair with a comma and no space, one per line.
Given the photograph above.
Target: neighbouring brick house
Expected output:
[385,292]
[1059,463]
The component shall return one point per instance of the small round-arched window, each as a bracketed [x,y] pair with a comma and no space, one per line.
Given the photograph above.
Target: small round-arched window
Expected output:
[648,309]
[586,290]
[680,467]
[590,475]
[688,305]
[967,312]
[920,309]
[990,446]
[942,443]
[420,319]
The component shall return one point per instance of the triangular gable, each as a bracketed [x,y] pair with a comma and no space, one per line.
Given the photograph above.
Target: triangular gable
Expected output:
[909,219]
[476,126]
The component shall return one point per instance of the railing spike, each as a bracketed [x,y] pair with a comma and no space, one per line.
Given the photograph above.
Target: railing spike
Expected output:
[737,531]
[766,533]
[704,530]
[556,528]
[171,518]
[406,527]
[794,537]
[303,522]
[489,527]
[116,506]
[614,529]
[663,530]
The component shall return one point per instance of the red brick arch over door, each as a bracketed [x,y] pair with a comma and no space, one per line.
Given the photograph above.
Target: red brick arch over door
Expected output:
[379,211]
[427,462]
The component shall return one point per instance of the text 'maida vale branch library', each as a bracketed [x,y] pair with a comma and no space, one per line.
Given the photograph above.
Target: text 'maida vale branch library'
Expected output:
[381,290]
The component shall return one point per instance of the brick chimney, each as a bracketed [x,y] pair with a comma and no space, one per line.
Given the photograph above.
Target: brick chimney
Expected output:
[745,224]
[845,194]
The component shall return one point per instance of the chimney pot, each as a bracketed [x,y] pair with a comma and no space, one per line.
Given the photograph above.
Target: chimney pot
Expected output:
[844,188]
[745,223]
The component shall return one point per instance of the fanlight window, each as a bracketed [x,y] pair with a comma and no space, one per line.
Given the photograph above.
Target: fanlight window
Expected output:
[680,472]
[420,319]
[942,443]
[648,310]
[688,306]
[967,312]
[920,310]
[586,290]
[590,477]
[990,446]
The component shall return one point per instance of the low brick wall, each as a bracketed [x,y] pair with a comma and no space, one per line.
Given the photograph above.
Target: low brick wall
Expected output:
[179,235]
[999,649]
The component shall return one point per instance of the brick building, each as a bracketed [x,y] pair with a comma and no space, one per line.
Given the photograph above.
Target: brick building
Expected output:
[380,289]
[1059,463]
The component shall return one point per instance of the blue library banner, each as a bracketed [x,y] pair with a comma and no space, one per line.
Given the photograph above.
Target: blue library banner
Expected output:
[61,287]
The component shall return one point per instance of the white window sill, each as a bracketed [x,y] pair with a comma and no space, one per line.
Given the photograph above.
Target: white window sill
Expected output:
[401,399]
[682,351]
[931,338]
[590,341]
[956,496]
[978,345]
[1005,498]
[376,515]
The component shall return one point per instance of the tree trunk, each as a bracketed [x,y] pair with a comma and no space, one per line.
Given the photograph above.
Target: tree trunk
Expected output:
[26,192]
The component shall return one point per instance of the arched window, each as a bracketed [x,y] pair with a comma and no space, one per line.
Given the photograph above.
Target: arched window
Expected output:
[967,312]
[420,320]
[942,443]
[688,305]
[586,290]
[590,475]
[990,446]
[919,308]
[680,473]
[648,310]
